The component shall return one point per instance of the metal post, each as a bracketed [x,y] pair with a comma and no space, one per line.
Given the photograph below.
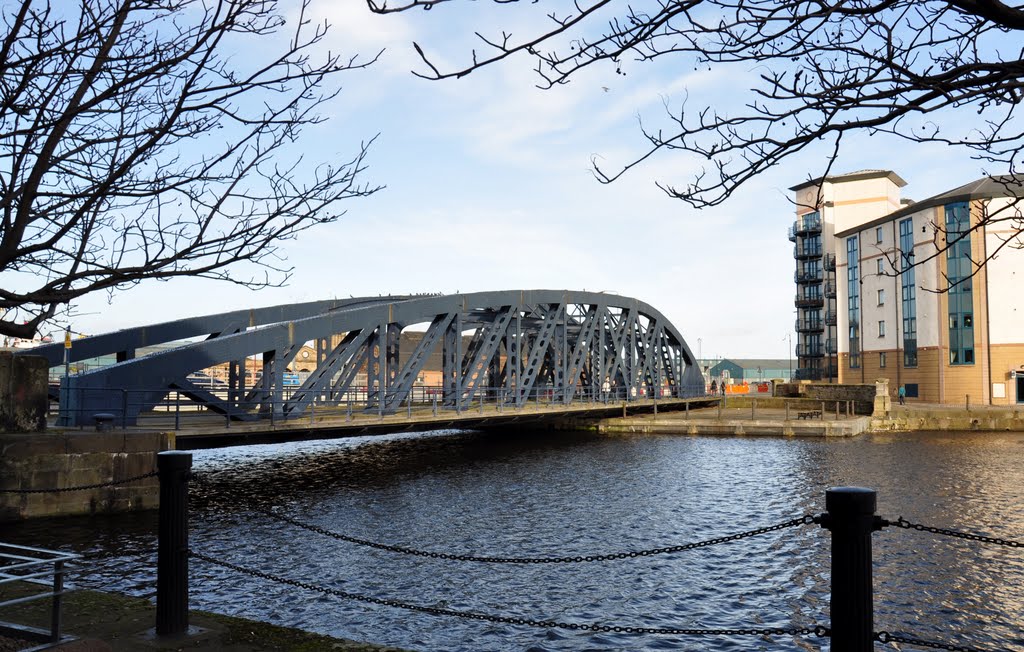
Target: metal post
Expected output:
[435,405]
[58,594]
[851,519]
[655,407]
[787,410]
[823,410]
[177,410]
[720,408]
[753,409]
[837,410]
[172,544]
[408,404]
[348,413]
[687,409]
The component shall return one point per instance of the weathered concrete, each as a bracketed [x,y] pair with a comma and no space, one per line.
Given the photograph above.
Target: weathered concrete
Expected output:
[23,393]
[55,460]
[863,396]
[736,421]
[907,418]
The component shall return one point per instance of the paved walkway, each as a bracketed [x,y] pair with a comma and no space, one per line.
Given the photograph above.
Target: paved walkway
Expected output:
[106,622]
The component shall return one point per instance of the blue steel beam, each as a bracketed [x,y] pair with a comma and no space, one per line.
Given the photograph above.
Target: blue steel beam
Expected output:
[573,337]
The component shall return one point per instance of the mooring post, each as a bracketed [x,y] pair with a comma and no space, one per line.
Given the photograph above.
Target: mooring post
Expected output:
[823,410]
[173,468]
[753,409]
[850,516]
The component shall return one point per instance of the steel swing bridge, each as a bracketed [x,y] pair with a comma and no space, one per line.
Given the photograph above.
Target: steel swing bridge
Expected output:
[501,347]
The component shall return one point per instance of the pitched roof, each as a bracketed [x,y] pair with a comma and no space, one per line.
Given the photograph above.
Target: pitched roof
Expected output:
[984,188]
[859,175]
[754,363]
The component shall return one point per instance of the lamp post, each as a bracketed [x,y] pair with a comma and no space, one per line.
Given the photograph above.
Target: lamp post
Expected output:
[789,339]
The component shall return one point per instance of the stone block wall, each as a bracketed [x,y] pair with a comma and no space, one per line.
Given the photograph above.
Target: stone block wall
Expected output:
[23,393]
[863,396]
[55,461]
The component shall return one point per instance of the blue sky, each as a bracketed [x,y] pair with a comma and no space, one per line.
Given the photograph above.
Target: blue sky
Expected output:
[489,187]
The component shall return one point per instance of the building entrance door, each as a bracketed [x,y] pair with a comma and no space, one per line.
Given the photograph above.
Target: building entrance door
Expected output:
[1020,389]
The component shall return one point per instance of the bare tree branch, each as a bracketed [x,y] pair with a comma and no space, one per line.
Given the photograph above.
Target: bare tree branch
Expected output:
[136,143]
[926,71]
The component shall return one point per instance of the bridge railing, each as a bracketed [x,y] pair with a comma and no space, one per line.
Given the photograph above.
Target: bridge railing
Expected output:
[106,408]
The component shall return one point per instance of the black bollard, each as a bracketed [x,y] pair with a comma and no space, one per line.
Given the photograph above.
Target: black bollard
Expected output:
[172,544]
[851,519]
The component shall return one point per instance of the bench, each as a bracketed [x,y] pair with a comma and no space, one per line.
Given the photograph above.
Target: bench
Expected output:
[809,414]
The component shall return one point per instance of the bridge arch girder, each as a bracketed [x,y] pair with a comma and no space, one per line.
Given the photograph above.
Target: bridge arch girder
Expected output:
[502,345]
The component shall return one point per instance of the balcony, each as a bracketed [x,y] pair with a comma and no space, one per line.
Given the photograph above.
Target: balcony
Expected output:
[831,347]
[830,290]
[809,300]
[810,223]
[830,319]
[804,276]
[830,262]
[809,325]
[807,250]
[809,350]
[792,234]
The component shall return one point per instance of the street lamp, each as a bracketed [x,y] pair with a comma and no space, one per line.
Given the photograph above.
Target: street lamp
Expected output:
[789,338]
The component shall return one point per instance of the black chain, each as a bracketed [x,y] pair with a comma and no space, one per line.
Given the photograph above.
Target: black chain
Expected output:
[907,525]
[803,520]
[817,630]
[82,487]
[886,637]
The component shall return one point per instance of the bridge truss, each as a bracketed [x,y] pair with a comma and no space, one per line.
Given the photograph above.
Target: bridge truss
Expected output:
[496,346]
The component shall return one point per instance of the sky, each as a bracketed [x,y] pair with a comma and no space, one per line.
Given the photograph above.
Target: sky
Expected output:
[489,187]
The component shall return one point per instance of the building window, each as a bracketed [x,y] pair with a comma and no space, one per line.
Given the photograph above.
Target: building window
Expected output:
[909,292]
[881,328]
[853,299]
[881,297]
[959,268]
[878,234]
[880,263]
[881,359]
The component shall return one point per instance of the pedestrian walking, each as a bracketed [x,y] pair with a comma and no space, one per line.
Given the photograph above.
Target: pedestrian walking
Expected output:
[903,394]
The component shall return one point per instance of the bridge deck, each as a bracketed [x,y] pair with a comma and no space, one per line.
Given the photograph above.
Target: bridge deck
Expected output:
[212,431]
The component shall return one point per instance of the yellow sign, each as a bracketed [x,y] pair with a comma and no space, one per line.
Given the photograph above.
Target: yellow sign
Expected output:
[67,340]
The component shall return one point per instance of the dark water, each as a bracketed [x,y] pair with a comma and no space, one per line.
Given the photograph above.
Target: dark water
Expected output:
[573,494]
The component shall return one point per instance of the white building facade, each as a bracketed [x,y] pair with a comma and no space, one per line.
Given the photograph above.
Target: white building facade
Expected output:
[938,321]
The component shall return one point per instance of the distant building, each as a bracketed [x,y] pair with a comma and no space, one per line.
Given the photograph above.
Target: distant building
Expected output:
[868,269]
[738,370]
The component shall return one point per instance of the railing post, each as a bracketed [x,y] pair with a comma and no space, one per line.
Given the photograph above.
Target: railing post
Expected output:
[172,544]
[58,596]
[850,516]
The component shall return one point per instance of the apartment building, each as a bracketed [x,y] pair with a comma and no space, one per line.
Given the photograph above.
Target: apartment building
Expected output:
[899,304]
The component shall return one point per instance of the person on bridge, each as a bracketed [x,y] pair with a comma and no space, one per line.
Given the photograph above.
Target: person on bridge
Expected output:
[902,394]
[714,387]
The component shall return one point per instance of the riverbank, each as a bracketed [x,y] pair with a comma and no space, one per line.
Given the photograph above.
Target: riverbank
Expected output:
[769,416]
[107,622]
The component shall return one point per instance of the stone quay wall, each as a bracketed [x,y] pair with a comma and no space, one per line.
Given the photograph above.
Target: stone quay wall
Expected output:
[863,396]
[54,460]
[23,393]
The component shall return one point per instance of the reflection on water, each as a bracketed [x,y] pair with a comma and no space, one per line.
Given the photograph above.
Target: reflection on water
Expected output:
[546,494]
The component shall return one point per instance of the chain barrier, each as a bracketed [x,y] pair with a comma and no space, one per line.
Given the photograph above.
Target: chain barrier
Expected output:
[886,637]
[82,487]
[817,630]
[907,525]
[803,520]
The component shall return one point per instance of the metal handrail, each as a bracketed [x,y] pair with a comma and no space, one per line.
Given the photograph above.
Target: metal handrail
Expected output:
[32,565]
[176,409]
